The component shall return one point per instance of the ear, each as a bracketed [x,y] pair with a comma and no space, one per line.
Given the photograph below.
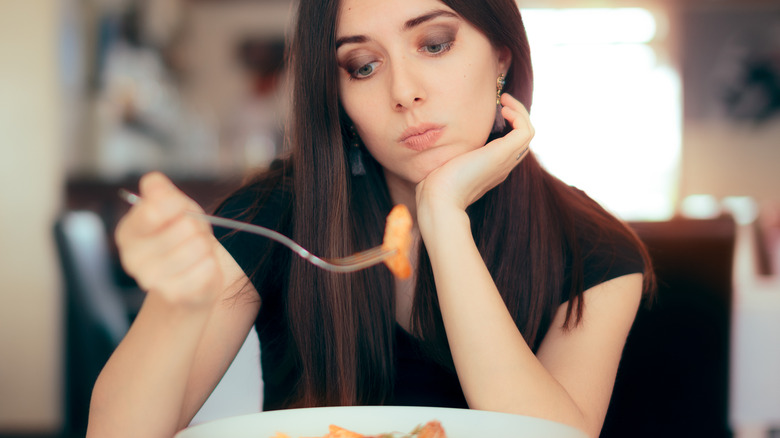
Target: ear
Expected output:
[504,59]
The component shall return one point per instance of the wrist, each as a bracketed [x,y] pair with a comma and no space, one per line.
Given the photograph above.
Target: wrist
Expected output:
[176,310]
[441,222]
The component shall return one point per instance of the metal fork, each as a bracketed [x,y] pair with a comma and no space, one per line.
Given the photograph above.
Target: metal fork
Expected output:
[352,263]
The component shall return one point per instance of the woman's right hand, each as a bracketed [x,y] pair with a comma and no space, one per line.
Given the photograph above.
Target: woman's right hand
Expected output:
[185,335]
[169,252]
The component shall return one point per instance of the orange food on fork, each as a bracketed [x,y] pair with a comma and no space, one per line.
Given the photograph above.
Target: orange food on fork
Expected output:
[398,235]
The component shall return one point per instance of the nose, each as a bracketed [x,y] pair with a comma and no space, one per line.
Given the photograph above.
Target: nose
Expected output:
[406,88]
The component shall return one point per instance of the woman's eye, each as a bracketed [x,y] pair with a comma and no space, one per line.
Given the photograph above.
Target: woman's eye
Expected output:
[437,48]
[364,71]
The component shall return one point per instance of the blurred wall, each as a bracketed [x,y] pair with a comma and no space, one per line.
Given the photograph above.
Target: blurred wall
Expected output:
[30,190]
[730,58]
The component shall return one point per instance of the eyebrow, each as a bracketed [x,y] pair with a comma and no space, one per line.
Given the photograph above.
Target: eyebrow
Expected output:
[409,24]
[427,17]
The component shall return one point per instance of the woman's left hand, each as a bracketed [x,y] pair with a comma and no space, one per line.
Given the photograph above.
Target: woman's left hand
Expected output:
[466,178]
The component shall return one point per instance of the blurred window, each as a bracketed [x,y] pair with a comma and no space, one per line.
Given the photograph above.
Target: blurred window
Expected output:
[607,106]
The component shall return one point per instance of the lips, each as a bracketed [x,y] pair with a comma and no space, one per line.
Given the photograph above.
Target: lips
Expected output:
[421,137]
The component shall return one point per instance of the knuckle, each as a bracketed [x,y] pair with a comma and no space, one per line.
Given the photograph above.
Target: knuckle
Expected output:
[207,267]
[150,177]
[143,284]
[128,264]
[152,183]
[120,235]
[148,280]
[199,247]
[190,205]
[128,257]
[125,227]
[134,267]
[149,216]
[188,228]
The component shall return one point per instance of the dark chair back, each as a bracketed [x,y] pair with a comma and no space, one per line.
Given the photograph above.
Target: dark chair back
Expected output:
[673,380]
[96,316]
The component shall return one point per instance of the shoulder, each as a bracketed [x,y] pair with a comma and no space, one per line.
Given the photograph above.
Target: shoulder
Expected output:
[261,201]
[257,203]
[265,202]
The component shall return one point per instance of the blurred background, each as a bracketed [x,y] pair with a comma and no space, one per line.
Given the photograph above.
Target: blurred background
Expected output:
[665,111]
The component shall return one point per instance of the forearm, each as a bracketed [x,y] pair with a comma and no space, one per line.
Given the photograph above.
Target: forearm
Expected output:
[496,368]
[141,389]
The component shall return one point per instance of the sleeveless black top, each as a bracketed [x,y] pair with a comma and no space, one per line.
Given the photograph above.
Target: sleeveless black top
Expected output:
[419,381]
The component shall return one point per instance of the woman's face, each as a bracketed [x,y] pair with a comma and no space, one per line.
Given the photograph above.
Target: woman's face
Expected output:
[418,82]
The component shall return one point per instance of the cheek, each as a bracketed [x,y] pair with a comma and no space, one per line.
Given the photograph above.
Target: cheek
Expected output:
[484,95]
[348,102]
[472,93]
[361,110]
[368,121]
[476,106]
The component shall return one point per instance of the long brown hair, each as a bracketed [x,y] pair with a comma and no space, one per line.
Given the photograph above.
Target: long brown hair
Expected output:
[341,327]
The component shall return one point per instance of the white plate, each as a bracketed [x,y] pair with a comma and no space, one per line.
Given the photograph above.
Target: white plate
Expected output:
[367,420]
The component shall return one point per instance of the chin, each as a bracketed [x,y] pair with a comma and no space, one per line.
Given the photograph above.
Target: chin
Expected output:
[435,158]
[422,171]
[423,163]
[412,174]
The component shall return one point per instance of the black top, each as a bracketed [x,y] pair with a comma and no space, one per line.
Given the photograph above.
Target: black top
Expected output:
[419,381]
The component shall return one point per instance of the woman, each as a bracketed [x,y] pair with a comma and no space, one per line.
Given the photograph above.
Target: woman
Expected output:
[523,290]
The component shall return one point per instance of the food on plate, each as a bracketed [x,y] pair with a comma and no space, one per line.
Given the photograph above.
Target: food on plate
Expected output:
[398,235]
[432,429]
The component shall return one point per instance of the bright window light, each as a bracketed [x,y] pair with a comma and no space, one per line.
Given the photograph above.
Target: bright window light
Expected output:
[607,109]
[589,26]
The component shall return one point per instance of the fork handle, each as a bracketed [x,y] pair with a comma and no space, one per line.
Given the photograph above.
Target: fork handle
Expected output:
[327,264]
[132,198]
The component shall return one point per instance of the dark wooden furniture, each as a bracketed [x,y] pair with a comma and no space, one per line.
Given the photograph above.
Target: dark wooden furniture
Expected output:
[674,376]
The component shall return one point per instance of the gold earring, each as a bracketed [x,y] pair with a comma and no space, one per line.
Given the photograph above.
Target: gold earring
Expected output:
[500,82]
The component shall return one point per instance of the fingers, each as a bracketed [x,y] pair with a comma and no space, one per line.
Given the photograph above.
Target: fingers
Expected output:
[516,114]
[466,178]
[161,203]
[519,139]
[165,273]
[165,248]
[170,251]
[509,101]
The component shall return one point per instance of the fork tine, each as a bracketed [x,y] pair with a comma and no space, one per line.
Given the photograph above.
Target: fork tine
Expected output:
[377,253]
[370,253]
[358,255]
[353,266]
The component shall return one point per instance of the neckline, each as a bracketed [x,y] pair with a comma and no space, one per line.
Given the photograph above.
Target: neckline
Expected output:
[399,328]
